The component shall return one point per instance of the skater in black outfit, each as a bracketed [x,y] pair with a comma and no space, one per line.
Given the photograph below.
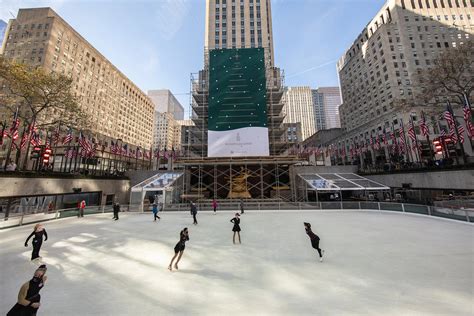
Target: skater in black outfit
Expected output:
[314,240]
[29,297]
[194,212]
[236,228]
[116,211]
[38,232]
[179,248]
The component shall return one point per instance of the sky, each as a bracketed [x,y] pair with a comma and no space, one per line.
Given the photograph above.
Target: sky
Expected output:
[159,43]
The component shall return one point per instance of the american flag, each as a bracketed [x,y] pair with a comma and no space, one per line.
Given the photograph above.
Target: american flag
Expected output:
[461,131]
[423,127]
[138,153]
[15,125]
[384,137]
[113,149]
[35,139]
[401,131]
[468,119]
[56,135]
[411,131]
[377,142]
[448,117]
[68,138]
[371,141]
[85,145]
[70,153]
[124,150]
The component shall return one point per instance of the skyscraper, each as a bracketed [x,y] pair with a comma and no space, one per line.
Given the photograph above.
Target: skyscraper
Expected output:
[165,101]
[116,106]
[326,102]
[238,76]
[381,66]
[239,24]
[298,107]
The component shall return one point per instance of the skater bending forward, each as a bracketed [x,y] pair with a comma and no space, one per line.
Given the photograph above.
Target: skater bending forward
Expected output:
[314,240]
[179,248]
[236,228]
[29,297]
[38,233]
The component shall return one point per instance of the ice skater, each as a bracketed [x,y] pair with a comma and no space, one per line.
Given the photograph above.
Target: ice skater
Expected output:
[116,211]
[179,248]
[38,233]
[214,205]
[314,240]
[236,228]
[155,211]
[194,212]
[241,204]
[29,298]
[81,207]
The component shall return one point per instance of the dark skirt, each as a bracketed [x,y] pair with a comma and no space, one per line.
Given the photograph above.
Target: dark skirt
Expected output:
[236,228]
[179,247]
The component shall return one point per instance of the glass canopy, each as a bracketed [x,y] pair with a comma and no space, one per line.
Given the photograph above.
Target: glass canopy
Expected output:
[340,182]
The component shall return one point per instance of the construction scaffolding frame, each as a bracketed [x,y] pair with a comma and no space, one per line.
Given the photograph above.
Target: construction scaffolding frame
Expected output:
[196,145]
[210,178]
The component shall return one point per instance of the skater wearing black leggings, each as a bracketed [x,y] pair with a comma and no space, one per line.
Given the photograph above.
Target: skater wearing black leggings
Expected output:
[236,228]
[38,232]
[314,240]
[179,248]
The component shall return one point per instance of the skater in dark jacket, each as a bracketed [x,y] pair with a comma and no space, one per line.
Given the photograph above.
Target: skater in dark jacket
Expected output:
[236,228]
[116,210]
[38,233]
[29,297]
[314,240]
[194,212]
[179,248]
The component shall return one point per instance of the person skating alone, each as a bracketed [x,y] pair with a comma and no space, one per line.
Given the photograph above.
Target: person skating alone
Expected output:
[214,206]
[29,298]
[179,248]
[236,228]
[314,240]
[116,211]
[81,206]
[241,204]
[194,212]
[155,211]
[38,233]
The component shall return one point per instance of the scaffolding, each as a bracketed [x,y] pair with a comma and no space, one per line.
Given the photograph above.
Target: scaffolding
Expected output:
[196,146]
[210,178]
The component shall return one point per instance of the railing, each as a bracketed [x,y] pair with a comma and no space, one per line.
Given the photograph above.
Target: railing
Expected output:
[466,215]
[18,219]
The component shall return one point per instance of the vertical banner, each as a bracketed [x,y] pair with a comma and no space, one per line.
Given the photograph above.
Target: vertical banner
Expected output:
[237,103]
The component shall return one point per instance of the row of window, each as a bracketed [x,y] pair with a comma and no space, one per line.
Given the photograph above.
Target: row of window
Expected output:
[438,3]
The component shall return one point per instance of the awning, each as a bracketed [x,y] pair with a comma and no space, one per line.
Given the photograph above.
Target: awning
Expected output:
[340,182]
[158,182]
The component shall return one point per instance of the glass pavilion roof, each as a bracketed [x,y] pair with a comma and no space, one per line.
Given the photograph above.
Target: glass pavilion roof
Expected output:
[340,182]
[158,182]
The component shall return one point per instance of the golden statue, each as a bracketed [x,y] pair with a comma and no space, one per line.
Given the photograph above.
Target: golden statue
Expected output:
[238,185]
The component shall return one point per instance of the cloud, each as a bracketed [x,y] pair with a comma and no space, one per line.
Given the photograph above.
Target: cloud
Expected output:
[312,68]
[170,16]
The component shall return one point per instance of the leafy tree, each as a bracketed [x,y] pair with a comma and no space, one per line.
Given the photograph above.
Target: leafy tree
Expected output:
[43,97]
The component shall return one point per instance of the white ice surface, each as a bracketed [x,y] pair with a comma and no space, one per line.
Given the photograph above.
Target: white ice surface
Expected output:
[375,264]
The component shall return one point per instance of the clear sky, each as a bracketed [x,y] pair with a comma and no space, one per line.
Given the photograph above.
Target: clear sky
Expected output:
[158,43]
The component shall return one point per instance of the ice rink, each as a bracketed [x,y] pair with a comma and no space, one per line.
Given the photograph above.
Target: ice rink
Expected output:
[376,263]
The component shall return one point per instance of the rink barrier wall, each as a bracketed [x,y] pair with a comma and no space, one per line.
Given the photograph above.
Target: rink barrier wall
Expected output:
[465,215]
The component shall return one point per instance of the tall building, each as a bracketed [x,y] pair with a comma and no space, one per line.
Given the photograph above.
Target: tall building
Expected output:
[163,130]
[165,101]
[116,106]
[381,65]
[239,24]
[298,107]
[238,53]
[326,102]
[3,29]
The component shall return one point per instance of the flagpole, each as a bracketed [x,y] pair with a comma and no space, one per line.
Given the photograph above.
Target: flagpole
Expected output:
[30,132]
[450,109]
[427,135]
[408,152]
[15,116]
[417,153]
[468,104]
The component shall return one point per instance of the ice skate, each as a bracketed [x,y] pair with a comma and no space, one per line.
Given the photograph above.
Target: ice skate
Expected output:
[170,268]
[176,267]
[321,259]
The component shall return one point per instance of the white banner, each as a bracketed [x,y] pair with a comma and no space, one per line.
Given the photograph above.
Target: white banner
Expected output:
[247,141]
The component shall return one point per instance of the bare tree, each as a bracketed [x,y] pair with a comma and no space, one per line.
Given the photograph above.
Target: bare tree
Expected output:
[450,78]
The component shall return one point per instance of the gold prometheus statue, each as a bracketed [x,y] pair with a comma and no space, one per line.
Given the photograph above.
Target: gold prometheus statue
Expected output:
[238,185]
